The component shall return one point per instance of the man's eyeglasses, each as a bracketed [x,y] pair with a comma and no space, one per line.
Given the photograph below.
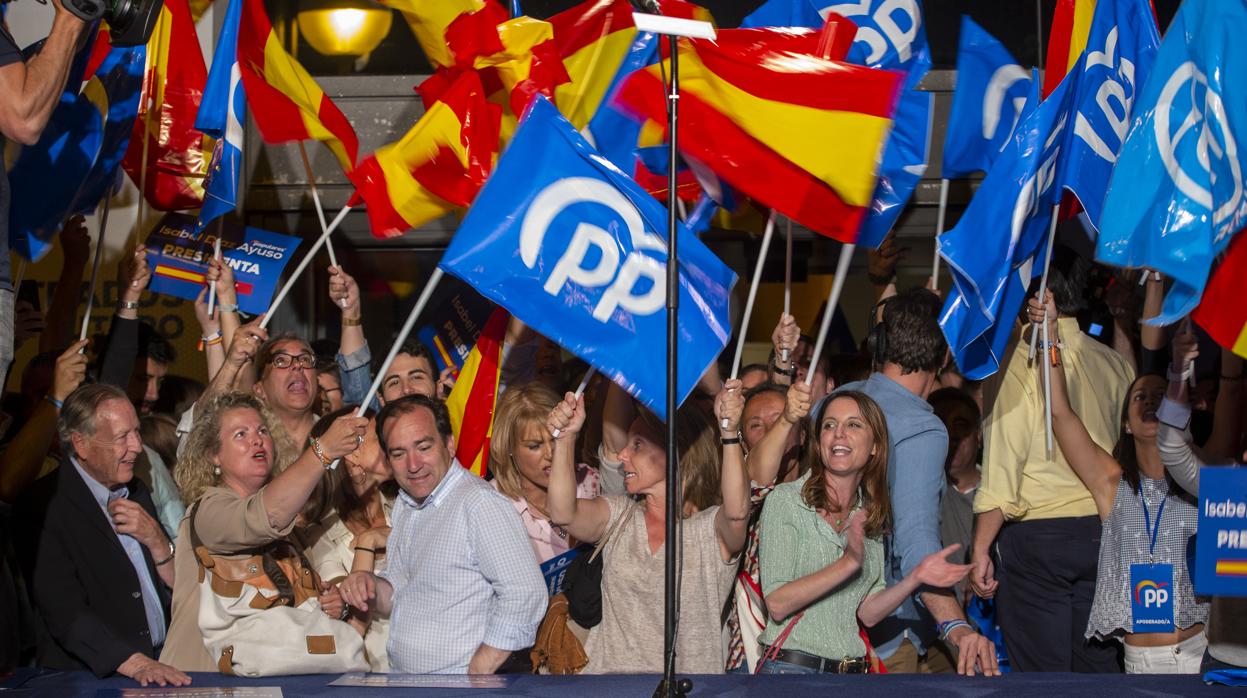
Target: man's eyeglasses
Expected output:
[282,360]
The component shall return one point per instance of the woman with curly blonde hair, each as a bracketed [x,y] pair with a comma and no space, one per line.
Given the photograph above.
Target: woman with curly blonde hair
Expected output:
[240,504]
[821,547]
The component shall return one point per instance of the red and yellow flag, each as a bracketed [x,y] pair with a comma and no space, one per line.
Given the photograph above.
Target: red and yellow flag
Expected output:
[1221,311]
[795,132]
[286,102]
[437,166]
[177,154]
[1071,22]
[471,403]
[453,33]
[594,38]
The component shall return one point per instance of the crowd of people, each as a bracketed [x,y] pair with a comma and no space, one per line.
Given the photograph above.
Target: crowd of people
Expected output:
[886,515]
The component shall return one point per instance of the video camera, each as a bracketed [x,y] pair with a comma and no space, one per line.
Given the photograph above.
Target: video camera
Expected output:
[130,22]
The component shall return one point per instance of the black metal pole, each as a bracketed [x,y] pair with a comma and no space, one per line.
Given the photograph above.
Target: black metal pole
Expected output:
[669,688]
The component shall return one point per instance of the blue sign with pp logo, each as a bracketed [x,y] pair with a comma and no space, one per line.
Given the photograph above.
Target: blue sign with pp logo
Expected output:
[1151,598]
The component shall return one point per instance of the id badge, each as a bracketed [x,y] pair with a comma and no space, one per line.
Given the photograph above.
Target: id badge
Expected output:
[1151,598]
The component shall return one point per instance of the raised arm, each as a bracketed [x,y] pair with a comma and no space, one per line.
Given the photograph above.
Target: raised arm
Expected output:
[1227,416]
[1097,469]
[731,521]
[785,336]
[24,454]
[63,308]
[288,492]
[617,416]
[585,519]
[119,357]
[354,358]
[767,455]
[32,90]
[222,275]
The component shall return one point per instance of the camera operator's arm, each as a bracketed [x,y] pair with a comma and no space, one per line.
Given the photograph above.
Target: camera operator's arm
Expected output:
[32,89]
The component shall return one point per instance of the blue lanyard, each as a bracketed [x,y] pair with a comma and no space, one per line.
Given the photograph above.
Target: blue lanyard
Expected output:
[1147,521]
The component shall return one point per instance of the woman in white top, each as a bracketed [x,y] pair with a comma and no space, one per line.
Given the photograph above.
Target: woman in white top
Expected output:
[353,535]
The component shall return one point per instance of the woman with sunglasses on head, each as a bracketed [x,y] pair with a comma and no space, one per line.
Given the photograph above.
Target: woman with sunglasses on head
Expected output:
[1143,596]
[821,547]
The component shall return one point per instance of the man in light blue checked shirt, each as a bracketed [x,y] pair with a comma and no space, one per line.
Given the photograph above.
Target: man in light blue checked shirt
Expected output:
[462,586]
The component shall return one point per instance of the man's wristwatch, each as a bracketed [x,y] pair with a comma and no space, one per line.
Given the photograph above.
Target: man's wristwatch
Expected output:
[128,305]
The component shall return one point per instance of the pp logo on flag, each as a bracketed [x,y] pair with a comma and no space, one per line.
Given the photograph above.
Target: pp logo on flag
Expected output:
[1005,77]
[1115,97]
[1192,129]
[592,257]
[1151,594]
[888,31]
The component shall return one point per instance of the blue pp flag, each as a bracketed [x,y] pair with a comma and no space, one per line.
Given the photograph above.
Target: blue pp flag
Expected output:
[990,100]
[993,250]
[577,250]
[783,13]
[1176,196]
[221,115]
[1121,48]
[74,164]
[890,36]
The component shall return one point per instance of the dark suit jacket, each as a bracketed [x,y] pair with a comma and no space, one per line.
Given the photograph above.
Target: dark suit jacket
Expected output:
[82,584]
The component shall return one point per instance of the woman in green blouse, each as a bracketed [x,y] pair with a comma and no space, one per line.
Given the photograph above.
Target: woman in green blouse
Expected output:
[821,548]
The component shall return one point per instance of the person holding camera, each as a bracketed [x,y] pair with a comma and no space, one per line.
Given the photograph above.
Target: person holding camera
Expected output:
[31,90]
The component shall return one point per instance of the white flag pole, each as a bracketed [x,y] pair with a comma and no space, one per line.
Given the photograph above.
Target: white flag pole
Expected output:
[939,230]
[216,254]
[580,390]
[307,259]
[787,278]
[95,267]
[837,286]
[320,211]
[753,294]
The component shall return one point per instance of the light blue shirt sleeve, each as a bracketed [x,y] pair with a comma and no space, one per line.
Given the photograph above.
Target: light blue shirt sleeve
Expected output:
[508,563]
[916,497]
[356,375]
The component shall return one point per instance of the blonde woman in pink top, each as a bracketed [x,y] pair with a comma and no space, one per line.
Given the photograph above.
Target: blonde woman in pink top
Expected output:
[520,453]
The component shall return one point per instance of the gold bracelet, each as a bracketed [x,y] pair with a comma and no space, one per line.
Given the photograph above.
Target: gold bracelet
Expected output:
[351,321]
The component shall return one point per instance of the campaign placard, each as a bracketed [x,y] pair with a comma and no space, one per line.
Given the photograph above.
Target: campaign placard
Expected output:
[555,569]
[1221,544]
[178,257]
[455,316]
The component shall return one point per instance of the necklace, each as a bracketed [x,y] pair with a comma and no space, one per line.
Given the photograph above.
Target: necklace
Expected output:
[558,530]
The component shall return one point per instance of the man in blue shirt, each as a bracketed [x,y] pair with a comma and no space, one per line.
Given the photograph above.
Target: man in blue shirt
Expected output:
[462,586]
[908,351]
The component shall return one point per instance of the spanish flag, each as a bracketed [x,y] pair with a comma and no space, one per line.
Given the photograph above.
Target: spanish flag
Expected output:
[594,38]
[286,102]
[1071,23]
[438,166]
[471,403]
[795,132]
[453,33]
[1221,311]
[177,154]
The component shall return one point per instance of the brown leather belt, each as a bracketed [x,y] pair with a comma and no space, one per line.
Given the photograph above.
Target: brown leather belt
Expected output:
[823,665]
